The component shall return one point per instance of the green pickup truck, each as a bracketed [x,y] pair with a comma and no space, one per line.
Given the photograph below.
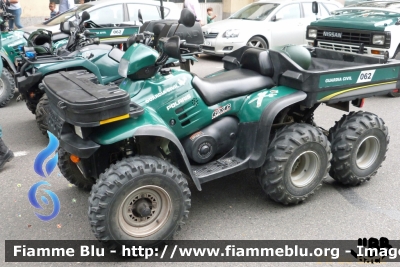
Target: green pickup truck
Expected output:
[368,27]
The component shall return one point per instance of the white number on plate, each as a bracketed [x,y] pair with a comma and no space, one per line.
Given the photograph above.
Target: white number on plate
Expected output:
[365,76]
[117,32]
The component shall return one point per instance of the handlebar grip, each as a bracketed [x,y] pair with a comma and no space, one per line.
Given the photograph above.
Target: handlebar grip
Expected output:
[191,46]
[148,33]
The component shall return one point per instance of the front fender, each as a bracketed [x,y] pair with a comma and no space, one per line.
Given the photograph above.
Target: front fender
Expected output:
[149,124]
[8,61]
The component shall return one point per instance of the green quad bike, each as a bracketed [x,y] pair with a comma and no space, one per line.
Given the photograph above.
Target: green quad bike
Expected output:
[137,146]
[83,52]
[11,41]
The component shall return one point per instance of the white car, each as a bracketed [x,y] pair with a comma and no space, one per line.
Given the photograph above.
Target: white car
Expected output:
[110,14]
[264,24]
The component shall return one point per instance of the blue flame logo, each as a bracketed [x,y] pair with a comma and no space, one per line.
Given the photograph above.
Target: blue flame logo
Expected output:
[36,204]
[50,166]
[44,154]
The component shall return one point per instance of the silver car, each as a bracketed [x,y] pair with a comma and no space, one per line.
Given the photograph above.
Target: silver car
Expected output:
[264,24]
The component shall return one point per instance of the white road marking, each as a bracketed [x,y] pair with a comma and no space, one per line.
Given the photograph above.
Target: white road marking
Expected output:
[20,153]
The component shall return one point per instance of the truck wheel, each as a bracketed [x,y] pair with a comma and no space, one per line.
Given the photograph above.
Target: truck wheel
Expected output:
[142,199]
[298,160]
[41,114]
[71,171]
[7,88]
[359,144]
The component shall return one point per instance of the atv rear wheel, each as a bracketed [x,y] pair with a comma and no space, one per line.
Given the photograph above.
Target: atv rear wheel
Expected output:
[7,88]
[71,171]
[297,162]
[359,144]
[41,114]
[394,93]
[138,199]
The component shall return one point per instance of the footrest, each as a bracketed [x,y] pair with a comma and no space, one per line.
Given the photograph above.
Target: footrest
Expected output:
[215,166]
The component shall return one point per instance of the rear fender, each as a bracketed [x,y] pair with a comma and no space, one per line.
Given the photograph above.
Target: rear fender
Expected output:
[269,112]
[149,124]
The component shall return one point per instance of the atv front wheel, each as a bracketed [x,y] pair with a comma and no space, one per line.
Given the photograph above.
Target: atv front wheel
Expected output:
[7,88]
[41,114]
[296,164]
[359,144]
[138,199]
[71,171]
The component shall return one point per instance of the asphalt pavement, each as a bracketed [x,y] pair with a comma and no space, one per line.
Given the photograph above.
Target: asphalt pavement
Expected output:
[234,207]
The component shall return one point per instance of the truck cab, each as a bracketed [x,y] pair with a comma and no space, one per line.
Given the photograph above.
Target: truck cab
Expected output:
[367,27]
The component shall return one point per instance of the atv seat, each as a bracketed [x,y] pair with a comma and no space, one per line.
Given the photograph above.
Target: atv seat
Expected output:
[251,77]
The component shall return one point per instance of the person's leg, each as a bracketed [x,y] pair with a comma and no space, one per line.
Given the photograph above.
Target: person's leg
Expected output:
[17,19]
[11,21]
[1,132]
[6,154]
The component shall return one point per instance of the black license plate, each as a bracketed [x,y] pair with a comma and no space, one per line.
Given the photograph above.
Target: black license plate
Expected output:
[209,48]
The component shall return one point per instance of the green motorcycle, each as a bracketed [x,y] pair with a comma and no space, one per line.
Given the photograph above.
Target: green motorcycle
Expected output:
[137,145]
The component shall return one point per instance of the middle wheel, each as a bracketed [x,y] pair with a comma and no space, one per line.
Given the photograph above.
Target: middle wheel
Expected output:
[298,160]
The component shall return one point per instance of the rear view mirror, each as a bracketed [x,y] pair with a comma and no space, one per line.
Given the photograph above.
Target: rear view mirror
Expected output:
[315,7]
[72,27]
[277,17]
[85,16]
[64,27]
[187,18]
[140,17]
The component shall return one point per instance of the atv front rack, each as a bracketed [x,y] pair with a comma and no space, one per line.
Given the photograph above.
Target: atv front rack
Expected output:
[47,59]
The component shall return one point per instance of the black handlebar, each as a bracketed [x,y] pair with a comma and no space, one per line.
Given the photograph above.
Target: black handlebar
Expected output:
[191,46]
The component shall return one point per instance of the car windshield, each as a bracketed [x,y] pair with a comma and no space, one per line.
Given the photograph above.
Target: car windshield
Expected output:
[377,4]
[67,15]
[256,11]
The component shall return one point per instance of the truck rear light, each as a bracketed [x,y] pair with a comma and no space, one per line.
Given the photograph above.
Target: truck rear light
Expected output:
[395,91]
[358,102]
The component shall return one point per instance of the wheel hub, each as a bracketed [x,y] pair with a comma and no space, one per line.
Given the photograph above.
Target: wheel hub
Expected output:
[2,90]
[367,152]
[305,168]
[142,208]
[144,211]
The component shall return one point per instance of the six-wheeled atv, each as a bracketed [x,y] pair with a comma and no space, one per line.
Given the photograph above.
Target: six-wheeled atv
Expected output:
[137,145]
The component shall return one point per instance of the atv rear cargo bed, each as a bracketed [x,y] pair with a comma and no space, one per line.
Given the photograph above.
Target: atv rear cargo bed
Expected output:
[332,76]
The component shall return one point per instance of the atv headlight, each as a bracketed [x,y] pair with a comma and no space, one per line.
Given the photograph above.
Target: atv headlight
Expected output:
[123,68]
[312,33]
[378,39]
[231,34]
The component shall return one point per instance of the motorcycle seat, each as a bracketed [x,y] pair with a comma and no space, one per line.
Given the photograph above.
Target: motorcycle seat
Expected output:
[233,83]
